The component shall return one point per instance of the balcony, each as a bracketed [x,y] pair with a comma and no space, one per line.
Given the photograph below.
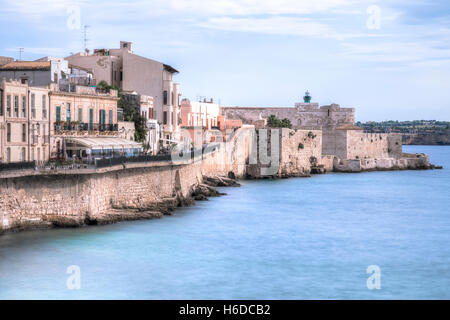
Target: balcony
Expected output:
[74,126]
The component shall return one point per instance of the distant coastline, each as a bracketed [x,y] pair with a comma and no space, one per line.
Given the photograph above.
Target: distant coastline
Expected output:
[416,132]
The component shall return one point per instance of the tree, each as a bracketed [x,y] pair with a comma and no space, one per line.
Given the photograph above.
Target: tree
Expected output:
[140,126]
[274,122]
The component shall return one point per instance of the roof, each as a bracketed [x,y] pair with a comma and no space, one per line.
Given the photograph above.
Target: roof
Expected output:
[73,66]
[27,65]
[105,143]
[349,127]
[170,69]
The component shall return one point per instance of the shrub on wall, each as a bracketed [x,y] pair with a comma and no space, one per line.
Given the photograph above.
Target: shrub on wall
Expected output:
[274,122]
[301,146]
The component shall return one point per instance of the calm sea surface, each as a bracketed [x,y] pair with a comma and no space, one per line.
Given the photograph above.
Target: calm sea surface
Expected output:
[303,238]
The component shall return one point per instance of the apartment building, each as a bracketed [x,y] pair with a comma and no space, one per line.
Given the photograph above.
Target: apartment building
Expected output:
[132,72]
[84,123]
[24,130]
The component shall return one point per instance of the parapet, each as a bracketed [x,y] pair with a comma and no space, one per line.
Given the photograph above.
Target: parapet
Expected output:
[301,106]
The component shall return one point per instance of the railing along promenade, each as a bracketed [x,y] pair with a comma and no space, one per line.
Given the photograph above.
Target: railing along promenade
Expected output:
[99,163]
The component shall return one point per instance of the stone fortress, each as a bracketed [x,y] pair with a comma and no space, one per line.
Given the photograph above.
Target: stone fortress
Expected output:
[344,146]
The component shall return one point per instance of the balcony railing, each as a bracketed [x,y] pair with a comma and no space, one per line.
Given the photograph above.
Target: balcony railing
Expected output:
[86,127]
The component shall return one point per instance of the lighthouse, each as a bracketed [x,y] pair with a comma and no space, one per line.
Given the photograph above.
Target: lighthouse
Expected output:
[307,97]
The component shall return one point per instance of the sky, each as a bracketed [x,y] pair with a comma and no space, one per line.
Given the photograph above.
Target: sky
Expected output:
[387,59]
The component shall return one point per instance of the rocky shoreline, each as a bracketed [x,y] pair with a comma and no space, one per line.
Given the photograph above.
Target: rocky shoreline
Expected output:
[199,192]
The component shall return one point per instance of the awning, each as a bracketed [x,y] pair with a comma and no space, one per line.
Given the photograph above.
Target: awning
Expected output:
[104,143]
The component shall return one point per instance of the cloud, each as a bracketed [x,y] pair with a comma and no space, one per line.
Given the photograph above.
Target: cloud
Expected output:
[404,54]
[253,7]
[279,25]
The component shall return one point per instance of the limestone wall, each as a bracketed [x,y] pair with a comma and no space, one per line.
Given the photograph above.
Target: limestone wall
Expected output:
[71,199]
[300,149]
[287,153]
[302,115]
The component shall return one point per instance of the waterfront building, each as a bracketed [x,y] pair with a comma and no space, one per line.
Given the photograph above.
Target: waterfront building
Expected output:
[199,114]
[134,73]
[24,116]
[84,124]
[40,72]
[205,115]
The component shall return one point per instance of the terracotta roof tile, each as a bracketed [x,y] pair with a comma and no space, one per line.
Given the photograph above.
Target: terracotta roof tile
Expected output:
[26,65]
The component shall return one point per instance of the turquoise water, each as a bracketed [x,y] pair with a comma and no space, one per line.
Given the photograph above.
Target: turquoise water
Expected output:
[305,238]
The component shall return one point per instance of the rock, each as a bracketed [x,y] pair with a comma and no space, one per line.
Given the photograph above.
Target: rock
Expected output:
[200,197]
[231,175]
[217,181]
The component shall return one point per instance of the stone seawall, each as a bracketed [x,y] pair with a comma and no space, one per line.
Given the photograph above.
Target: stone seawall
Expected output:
[73,200]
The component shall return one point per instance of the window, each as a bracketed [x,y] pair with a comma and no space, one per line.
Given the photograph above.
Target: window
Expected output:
[8,132]
[16,106]
[174,118]
[24,106]
[80,115]
[22,155]
[110,117]
[58,113]
[44,106]
[102,115]
[121,75]
[32,154]
[24,132]
[8,154]
[165,98]
[38,154]
[33,106]
[1,103]
[8,105]
[165,117]
[91,119]
[173,97]
[68,113]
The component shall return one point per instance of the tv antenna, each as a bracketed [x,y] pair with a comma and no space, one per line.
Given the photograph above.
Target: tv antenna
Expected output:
[20,53]
[85,38]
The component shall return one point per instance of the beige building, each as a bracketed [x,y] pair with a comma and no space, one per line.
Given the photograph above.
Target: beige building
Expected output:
[24,118]
[83,114]
[148,77]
